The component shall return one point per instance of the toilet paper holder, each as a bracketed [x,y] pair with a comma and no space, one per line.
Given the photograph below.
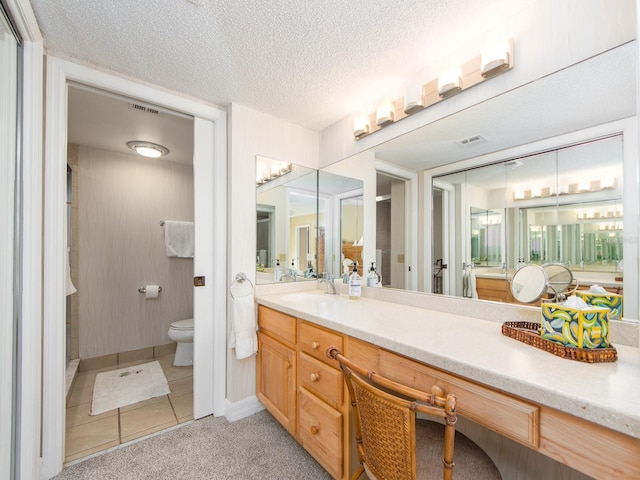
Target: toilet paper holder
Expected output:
[143,289]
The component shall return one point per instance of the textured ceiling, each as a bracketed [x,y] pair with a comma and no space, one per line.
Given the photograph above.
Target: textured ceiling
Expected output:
[308,62]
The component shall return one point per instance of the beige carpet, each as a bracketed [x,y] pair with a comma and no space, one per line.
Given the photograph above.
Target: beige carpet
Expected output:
[125,386]
[256,447]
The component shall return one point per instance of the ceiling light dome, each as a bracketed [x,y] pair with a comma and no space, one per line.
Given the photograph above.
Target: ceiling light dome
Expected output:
[147,149]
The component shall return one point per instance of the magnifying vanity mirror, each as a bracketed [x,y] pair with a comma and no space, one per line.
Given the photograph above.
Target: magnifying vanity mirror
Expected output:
[533,282]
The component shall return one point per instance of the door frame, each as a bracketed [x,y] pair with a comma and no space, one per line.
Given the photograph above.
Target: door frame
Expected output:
[410,179]
[210,168]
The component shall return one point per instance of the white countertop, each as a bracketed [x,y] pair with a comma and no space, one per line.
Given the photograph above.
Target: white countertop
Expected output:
[607,394]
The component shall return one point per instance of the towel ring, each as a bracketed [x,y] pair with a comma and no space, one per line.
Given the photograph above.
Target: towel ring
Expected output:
[239,282]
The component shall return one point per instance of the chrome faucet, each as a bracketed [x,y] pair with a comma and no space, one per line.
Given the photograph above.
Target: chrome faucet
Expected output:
[328,279]
[287,277]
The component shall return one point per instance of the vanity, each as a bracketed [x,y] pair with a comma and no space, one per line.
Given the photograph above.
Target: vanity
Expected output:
[586,416]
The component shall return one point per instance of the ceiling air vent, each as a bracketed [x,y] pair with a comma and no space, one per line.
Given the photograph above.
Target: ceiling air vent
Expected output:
[472,140]
[142,108]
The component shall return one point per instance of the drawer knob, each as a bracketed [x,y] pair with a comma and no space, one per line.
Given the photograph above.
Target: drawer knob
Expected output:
[315,345]
[315,377]
[314,429]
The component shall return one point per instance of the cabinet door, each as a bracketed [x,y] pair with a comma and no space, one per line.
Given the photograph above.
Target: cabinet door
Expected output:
[276,373]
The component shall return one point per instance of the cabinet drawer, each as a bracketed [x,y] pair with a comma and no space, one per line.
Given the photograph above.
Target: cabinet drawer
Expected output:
[277,324]
[506,415]
[320,431]
[314,341]
[321,379]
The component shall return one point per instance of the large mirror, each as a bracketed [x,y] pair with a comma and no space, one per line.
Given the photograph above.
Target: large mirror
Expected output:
[287,222]
[563,206]
[544,131]
[341,222]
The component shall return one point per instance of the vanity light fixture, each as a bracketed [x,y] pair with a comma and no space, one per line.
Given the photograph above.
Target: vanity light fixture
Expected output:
[495,58]
[584,186]
[413,100]
[361,126]
[384,114]
[518,195]
[267,170]
[450,82]
[147,149]
[607,183]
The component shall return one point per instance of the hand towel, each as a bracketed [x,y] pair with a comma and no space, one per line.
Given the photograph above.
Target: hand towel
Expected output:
[70,289]
[472,284]
[179,239]
[243,329]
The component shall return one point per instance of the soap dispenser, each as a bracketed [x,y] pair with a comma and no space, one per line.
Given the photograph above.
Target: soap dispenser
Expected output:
[277,272]
[355,283]
[292,269]
[373,279]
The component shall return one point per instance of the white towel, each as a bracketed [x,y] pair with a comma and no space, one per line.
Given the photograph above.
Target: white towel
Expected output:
[70,289]
[179,239]
[243,330]
[472,284]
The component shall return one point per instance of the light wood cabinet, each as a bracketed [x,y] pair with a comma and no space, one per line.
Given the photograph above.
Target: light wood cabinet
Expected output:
[276,366]
[565,438]
[494,289]
[504,414]
[302,388]
[322,410]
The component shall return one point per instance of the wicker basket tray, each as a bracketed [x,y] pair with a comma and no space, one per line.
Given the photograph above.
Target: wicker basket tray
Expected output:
[529,333]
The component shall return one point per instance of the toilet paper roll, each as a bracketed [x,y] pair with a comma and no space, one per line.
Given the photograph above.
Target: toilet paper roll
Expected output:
[151,291]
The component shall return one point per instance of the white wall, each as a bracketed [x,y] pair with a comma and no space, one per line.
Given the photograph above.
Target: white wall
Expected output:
[548,36]
[253,133]
[120,244]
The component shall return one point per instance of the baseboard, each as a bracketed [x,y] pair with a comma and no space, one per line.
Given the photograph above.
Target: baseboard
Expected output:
[243,408]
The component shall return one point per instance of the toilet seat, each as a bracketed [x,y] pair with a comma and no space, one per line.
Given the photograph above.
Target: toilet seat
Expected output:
[186,324]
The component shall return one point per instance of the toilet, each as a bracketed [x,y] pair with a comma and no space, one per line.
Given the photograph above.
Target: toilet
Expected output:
[181,332]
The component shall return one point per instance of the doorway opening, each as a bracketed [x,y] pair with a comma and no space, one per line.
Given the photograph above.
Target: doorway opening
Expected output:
[117,202]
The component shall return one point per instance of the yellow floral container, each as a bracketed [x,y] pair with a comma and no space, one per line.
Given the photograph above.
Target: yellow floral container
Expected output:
[574,327]
[610,301]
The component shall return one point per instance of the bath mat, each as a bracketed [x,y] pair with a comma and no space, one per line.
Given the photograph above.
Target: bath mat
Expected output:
[125,386]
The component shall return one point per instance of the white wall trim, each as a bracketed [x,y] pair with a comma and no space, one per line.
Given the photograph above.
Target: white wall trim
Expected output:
[411,221]
[211,372]
[243,408]
[29,421]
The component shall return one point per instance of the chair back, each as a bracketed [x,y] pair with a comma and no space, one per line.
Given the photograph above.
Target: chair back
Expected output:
[385,422]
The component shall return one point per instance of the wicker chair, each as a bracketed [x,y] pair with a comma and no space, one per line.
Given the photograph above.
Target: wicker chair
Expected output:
[386,427]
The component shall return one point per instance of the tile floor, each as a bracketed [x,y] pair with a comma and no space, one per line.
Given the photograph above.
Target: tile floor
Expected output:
[87,434]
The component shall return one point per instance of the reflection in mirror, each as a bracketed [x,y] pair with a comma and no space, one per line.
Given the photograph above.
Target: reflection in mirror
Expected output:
[287,219]
[351,233]
[340,222]
[486,237]
[562,206]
